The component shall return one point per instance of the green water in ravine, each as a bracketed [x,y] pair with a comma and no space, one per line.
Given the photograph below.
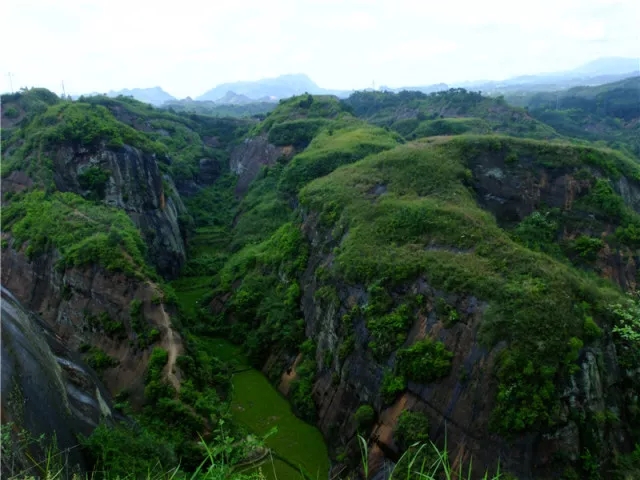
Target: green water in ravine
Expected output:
[257,405]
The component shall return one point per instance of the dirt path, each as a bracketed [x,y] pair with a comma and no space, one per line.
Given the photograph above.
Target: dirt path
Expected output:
[172,344]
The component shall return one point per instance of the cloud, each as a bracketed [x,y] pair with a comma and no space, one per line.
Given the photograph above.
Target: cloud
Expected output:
[414,50]
[190,46]
[588,31]
[352,21]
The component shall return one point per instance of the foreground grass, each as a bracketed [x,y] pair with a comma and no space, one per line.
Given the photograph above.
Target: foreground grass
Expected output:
[422,461]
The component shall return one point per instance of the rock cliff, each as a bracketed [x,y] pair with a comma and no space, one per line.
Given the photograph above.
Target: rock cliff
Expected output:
[596,403]
[250,156]
[92,308]
[129,179]
[46,390]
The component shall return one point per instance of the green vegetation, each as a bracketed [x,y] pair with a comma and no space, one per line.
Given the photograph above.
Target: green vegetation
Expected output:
[412,427]
[452,112]
[329,150]
[388,332]
[365,416]
[531,295]
[83,232]
[95,180]
[11,112]
[302,106]
[187,138]
[301,388]
[112,328]
[297,133]
[391,386]
[99,360]
[255,109]
[424,361]
[264,302]
[381,213]
[606,113]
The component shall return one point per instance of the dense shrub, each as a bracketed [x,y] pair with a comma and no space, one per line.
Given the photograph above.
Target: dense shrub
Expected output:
[391,386]
[424,361]
[83,232]
[365,416]
[412,427]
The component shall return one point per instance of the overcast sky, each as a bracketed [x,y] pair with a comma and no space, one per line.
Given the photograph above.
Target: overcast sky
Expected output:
[189,46]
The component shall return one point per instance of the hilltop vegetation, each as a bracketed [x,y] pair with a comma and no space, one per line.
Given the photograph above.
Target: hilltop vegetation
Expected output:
[607,113]
[203,107]
[451,112]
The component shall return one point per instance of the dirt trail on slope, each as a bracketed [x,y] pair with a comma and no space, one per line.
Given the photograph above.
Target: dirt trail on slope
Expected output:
[172,344]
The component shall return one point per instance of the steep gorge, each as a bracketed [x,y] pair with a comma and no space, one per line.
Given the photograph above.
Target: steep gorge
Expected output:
[493,236]
[471,279]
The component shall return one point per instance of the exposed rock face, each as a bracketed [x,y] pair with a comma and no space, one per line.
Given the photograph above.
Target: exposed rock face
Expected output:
[46,388]
[459,405]
[209,171]
[16,182]
[135,185]
[512,192]
[249,157]
[70,301]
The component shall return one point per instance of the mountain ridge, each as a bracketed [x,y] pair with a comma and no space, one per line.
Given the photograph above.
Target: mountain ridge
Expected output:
[596,72]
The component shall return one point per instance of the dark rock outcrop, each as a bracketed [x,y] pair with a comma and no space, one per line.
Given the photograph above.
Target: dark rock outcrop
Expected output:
[248,157]
[70,301]
[459,405]
[512,192]
[136,185]
[46,390]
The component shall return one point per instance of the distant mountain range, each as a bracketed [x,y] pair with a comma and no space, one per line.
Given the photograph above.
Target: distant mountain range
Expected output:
[280,87]
[155,95]
[596,72]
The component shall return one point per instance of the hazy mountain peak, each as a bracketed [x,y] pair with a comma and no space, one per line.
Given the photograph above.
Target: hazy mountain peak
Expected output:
[609,66]
[280,87]
[153,95]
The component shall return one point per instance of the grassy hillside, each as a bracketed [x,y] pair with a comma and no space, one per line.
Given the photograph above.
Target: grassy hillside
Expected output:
[451,112]
[400,212]
[427,223]
[217,110]
[609,113]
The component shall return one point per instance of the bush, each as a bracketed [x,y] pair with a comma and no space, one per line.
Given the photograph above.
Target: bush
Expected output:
[538,231]
[95,180]
[587,248]
[425,361]
[389,331]
[11,112]
[129,452]
[391,386]
[591,329]
[98,360]
[412,427]
[300,393]
[365,416]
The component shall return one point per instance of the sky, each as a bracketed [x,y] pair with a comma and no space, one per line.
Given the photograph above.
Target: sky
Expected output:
[190,46]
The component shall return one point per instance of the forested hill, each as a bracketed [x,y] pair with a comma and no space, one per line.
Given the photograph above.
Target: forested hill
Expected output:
[450,112]
[402,267]
[608,113]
